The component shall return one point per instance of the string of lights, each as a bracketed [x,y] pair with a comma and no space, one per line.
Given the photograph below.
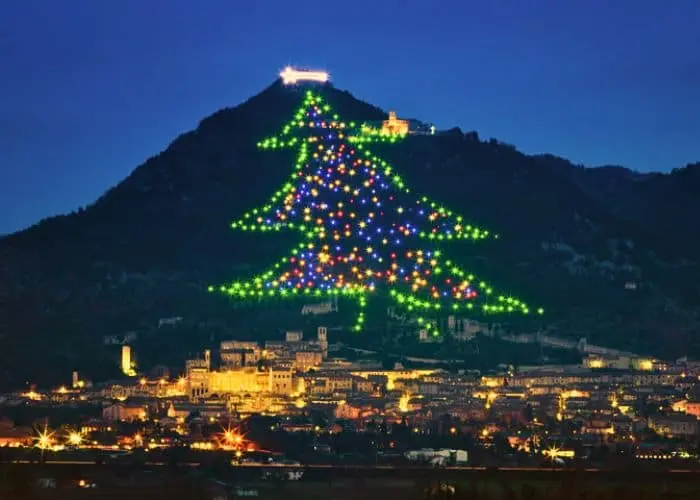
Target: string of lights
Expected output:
[361,228]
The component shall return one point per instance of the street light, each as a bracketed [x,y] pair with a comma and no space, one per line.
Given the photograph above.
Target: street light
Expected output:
[44,440]
[75,439]
[228,437]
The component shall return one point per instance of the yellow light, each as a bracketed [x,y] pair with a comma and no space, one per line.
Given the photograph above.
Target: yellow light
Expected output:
[573,394]
[403,403]
[75,439]
[646,365]
[554,452]
[34,396]
[44,439]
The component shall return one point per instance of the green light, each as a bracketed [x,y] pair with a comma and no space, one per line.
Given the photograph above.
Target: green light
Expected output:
[306,134]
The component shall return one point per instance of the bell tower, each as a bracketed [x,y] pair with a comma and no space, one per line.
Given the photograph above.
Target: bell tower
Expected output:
[322,337]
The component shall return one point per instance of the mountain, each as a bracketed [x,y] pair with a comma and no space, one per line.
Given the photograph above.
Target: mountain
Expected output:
[666,204]
[576,240]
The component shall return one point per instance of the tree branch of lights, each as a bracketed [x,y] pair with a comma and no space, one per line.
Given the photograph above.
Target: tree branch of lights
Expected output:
[361,228]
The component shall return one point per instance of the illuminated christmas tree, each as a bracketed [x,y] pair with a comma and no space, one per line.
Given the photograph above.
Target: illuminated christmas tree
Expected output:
[362,231]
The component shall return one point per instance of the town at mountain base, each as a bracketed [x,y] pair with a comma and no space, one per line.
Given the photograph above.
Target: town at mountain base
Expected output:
[611,254]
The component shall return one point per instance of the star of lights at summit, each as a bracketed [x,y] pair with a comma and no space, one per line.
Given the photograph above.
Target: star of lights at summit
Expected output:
[291,76]
[361,228]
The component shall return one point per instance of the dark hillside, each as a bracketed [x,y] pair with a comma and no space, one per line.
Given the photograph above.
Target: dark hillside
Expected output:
[570,239]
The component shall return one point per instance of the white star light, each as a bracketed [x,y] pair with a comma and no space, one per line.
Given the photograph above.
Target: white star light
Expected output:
[291,76]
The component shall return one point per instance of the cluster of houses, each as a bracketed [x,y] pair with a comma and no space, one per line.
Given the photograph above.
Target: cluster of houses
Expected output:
[593,403]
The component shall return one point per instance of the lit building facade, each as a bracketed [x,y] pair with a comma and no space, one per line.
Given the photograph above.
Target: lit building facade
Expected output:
[124,412]
[237,354]
[128,365]
[394,125]
[306,360]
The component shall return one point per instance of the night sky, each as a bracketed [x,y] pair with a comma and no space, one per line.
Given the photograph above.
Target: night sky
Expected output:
[90,89]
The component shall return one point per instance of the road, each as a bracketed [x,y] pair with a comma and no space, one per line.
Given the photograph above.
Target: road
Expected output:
[399,469]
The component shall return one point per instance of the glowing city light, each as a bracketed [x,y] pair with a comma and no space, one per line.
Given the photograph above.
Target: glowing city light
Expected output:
[33,395]
[403,403]
[231,438]
[44,439]
[75,439]
[554,452]
[291,76]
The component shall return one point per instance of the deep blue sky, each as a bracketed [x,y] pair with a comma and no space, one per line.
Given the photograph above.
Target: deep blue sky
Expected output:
[89,89]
